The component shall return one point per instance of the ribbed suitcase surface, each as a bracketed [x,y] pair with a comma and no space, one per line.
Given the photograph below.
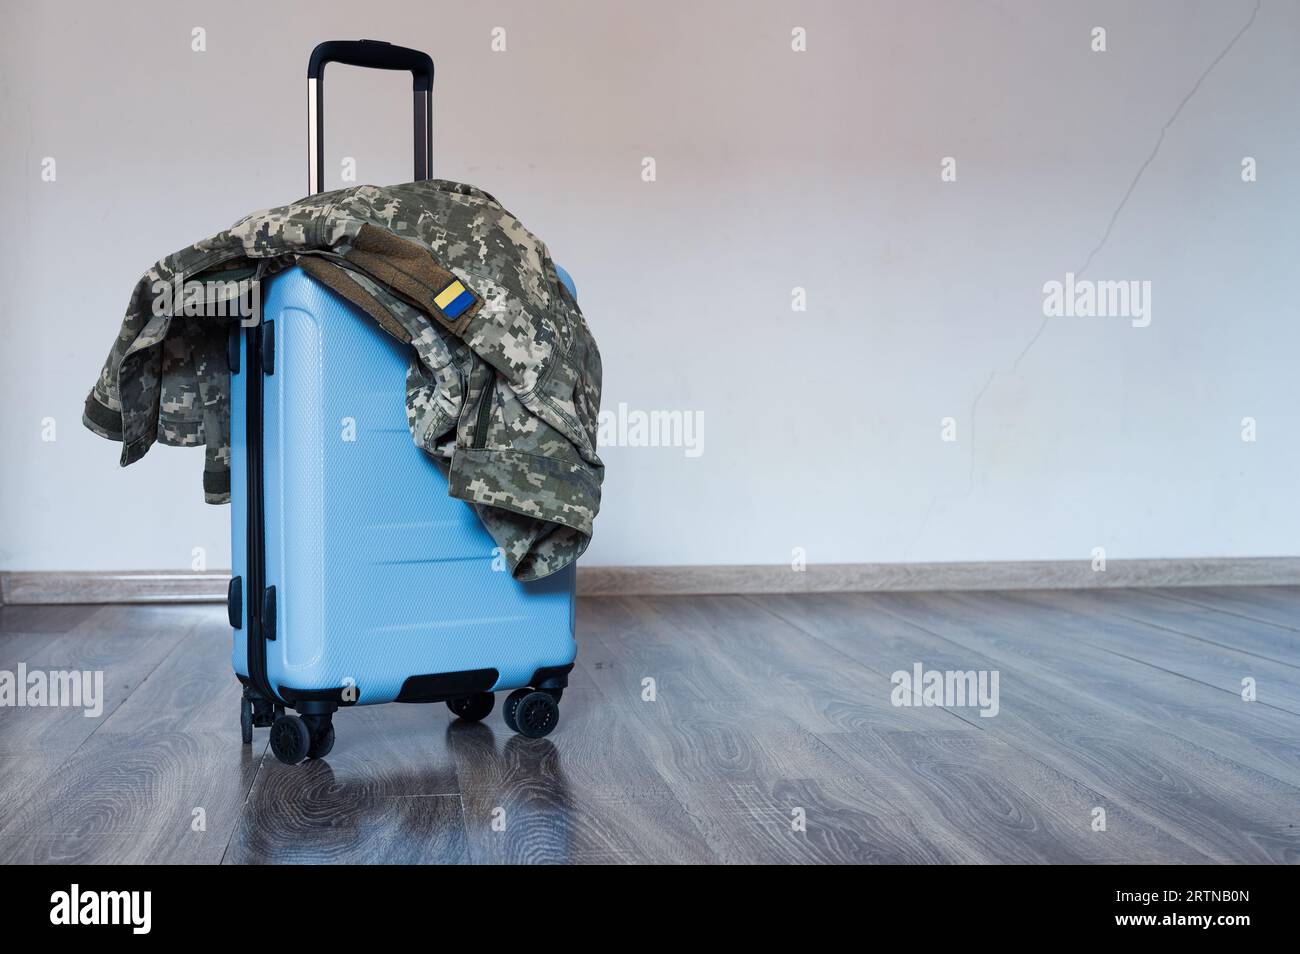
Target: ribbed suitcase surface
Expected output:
[379,575]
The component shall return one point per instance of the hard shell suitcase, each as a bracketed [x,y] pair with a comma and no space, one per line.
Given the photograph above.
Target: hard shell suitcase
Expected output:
[356,578]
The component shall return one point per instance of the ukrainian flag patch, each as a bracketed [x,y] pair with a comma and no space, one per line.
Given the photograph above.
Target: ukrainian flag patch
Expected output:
[454,299]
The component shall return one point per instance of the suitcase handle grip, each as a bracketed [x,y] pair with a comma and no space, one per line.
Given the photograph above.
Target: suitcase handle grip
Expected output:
[373,54]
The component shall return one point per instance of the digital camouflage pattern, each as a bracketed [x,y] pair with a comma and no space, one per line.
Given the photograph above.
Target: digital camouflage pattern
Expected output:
[504,396]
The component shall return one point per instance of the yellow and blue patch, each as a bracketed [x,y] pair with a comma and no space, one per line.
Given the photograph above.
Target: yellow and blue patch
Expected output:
[454,299]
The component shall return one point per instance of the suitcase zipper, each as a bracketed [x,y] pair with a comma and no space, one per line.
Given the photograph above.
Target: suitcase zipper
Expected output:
[256,536]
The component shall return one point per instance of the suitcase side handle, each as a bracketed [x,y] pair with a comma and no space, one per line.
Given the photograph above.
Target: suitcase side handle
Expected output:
[372,54]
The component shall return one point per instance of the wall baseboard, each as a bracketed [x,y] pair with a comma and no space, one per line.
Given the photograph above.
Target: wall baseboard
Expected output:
[160,586]
[885,577]
[135,586]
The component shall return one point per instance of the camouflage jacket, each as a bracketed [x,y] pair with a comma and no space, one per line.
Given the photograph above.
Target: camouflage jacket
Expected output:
[503,390]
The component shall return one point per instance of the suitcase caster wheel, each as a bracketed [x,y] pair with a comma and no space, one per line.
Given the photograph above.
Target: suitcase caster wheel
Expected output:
[473,708]
[290,739]
[322,742]
[246,720]
[511,707]
[536,714]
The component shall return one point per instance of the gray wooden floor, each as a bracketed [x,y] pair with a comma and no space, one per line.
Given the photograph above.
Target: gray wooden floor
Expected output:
[765,710]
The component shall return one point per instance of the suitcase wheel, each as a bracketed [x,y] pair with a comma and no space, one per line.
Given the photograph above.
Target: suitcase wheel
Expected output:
[534,712]
[473,708]
[294,738]
[511,705]
[322,740]
[290,739]
[510,711]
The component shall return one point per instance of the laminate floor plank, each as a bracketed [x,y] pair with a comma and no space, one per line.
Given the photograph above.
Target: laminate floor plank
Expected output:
[117,646]
[1140,627]
[733,649]
[1051,644]
[177,795]
[1168,758]
[334,827]
[45,619]
[625,640]
[985,801]
[586,793]
[1278,605]
[1138,771]
[192,689]
[832,820]
[882,645]
[738,729]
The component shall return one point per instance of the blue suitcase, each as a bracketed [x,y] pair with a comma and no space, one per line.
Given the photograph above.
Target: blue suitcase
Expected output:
[356,578]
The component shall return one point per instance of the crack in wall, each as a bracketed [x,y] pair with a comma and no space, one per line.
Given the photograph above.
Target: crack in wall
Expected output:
[1105,237]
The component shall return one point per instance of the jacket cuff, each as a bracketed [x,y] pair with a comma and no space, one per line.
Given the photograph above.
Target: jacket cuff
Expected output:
[104,421]
[216,486]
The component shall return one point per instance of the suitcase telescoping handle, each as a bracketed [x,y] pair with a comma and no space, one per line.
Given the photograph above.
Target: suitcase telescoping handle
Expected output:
[378,55]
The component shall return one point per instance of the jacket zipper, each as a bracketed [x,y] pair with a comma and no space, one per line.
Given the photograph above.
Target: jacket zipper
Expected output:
[484,415]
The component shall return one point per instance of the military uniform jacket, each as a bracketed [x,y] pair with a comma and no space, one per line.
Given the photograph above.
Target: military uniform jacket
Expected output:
[503,389]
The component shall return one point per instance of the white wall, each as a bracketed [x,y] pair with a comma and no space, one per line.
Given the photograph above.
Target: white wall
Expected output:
[775,169]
